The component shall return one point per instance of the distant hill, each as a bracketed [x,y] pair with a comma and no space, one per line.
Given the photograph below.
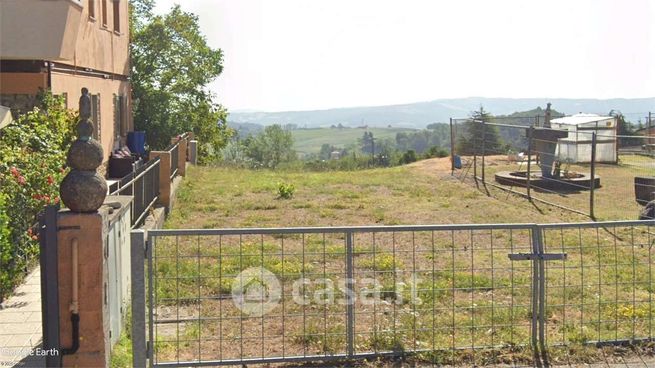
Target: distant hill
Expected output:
[420,114]
[245,129]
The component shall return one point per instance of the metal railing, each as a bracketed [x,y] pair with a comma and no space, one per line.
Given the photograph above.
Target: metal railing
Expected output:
[450,294]
[143,185]
[174,149]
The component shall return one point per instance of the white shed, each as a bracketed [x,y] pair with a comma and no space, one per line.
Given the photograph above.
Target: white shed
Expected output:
[576,147]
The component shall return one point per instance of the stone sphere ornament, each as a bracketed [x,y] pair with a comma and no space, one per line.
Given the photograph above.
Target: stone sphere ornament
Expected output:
[84,129]
[83,189]
[85,155]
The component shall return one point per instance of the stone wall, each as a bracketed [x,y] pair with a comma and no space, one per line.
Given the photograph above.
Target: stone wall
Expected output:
[18,103]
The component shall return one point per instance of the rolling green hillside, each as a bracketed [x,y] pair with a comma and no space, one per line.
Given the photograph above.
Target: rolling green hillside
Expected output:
[418,115]
[310,140]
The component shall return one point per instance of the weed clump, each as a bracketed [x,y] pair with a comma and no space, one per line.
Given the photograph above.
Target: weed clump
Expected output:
[285,191]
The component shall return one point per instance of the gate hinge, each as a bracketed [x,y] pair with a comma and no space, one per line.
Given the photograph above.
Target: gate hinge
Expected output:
[538,257]
[145,248]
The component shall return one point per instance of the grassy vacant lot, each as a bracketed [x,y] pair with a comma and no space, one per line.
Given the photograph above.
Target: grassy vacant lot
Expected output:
[416,194]
[471,294]
[311,140]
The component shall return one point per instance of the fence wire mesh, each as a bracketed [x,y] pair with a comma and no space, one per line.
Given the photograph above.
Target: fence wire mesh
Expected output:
[589,170]
[449,294]
[143,185]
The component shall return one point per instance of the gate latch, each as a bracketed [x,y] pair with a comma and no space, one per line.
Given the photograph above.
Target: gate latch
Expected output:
[537,257]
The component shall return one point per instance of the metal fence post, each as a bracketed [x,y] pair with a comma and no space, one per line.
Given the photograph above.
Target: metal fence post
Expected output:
[484,139]
[138,252]
[452,148]
[150,349]
[592,186]
[527,178]
[49,284]
[350,307]
[538,239]
[475,155]
[535,292]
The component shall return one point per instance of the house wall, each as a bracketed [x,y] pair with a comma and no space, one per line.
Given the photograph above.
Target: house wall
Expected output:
[38,30]
[98,61]
[22,83]
[100,46]
[107,89]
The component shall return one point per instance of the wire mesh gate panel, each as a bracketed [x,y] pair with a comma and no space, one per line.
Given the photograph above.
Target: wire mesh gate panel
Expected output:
[235,296]
[450,294]
[603,292]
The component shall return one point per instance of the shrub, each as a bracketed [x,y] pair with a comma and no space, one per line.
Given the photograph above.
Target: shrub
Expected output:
[32,158]
[285,191]
[234,154]
[6,253]
[436,151]
[409,157]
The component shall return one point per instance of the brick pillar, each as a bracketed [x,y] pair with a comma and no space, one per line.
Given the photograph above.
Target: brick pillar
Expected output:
[182,157]
[164,177]
[90,230]
[193,152]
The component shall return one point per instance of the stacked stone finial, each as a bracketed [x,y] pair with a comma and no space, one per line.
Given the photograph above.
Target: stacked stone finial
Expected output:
[83,189]
[547,116]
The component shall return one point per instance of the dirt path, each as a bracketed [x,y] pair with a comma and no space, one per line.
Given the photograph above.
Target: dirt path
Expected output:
[441,166]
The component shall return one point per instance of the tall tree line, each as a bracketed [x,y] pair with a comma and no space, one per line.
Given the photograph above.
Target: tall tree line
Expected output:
[172,65]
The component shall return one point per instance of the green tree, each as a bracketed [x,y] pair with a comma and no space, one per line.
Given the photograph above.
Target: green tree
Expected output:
[172,66]
[271,147]
[367,142]
[475,132]
[625,129]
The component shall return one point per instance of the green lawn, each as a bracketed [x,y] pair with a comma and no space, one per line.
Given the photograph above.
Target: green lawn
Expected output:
[311,140]
[225,197]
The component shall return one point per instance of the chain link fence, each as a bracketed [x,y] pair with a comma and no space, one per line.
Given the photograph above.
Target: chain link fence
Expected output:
[585,168]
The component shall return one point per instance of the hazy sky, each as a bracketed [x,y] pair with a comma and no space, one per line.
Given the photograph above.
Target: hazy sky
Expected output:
[309,54]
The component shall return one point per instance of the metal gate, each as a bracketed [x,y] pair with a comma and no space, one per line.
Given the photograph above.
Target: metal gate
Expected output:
[464,294]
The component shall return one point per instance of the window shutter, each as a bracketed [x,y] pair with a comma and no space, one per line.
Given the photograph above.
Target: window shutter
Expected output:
[95,117]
